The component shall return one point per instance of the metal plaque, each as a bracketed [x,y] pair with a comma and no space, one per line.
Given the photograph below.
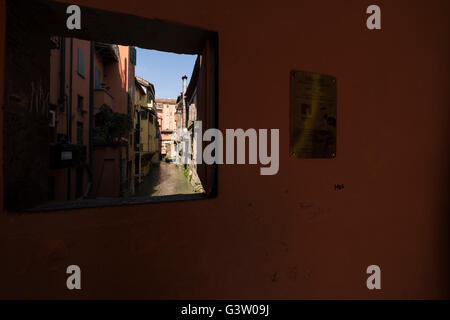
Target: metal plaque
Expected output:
[66,155]
[313,115]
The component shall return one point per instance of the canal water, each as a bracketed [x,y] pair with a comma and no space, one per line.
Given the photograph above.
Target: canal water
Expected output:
[164,179]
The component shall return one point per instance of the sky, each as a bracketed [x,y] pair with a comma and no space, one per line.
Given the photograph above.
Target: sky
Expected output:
[164,70]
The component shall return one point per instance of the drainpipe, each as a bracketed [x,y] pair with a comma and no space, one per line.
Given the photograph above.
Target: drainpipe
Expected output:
[184,114]
[91,119]
[140,166]
[62,93]
[69,121]
[69,113]
[62,98]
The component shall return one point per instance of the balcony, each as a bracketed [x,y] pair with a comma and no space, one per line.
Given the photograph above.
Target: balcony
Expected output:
[101,97]
[108,51]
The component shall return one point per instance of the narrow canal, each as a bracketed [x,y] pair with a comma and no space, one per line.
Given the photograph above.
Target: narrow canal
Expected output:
[165,179]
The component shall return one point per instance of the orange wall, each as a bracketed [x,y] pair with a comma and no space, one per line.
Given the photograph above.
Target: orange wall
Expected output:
[106,172]
[80,86]
[290,235]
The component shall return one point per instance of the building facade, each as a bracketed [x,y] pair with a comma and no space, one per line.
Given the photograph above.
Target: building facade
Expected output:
[90,108]
[166,110]
[69,125]
[147,133]
[113,131]
[190,113]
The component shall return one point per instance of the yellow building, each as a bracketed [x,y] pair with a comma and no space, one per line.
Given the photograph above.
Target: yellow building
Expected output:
[147,135]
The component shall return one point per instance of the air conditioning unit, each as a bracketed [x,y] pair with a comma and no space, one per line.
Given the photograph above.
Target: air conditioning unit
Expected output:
[52,122]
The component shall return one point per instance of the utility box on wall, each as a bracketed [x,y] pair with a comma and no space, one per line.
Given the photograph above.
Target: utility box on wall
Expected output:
[67,155]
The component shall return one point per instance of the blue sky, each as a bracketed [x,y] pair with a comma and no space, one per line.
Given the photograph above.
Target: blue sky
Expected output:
[164,70]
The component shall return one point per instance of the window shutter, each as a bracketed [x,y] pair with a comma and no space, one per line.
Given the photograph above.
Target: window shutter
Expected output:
[80,62]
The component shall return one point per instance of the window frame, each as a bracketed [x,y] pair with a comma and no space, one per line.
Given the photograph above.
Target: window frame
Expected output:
[97,30]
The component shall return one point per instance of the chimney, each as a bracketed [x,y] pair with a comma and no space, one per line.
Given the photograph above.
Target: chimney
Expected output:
[184,78]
